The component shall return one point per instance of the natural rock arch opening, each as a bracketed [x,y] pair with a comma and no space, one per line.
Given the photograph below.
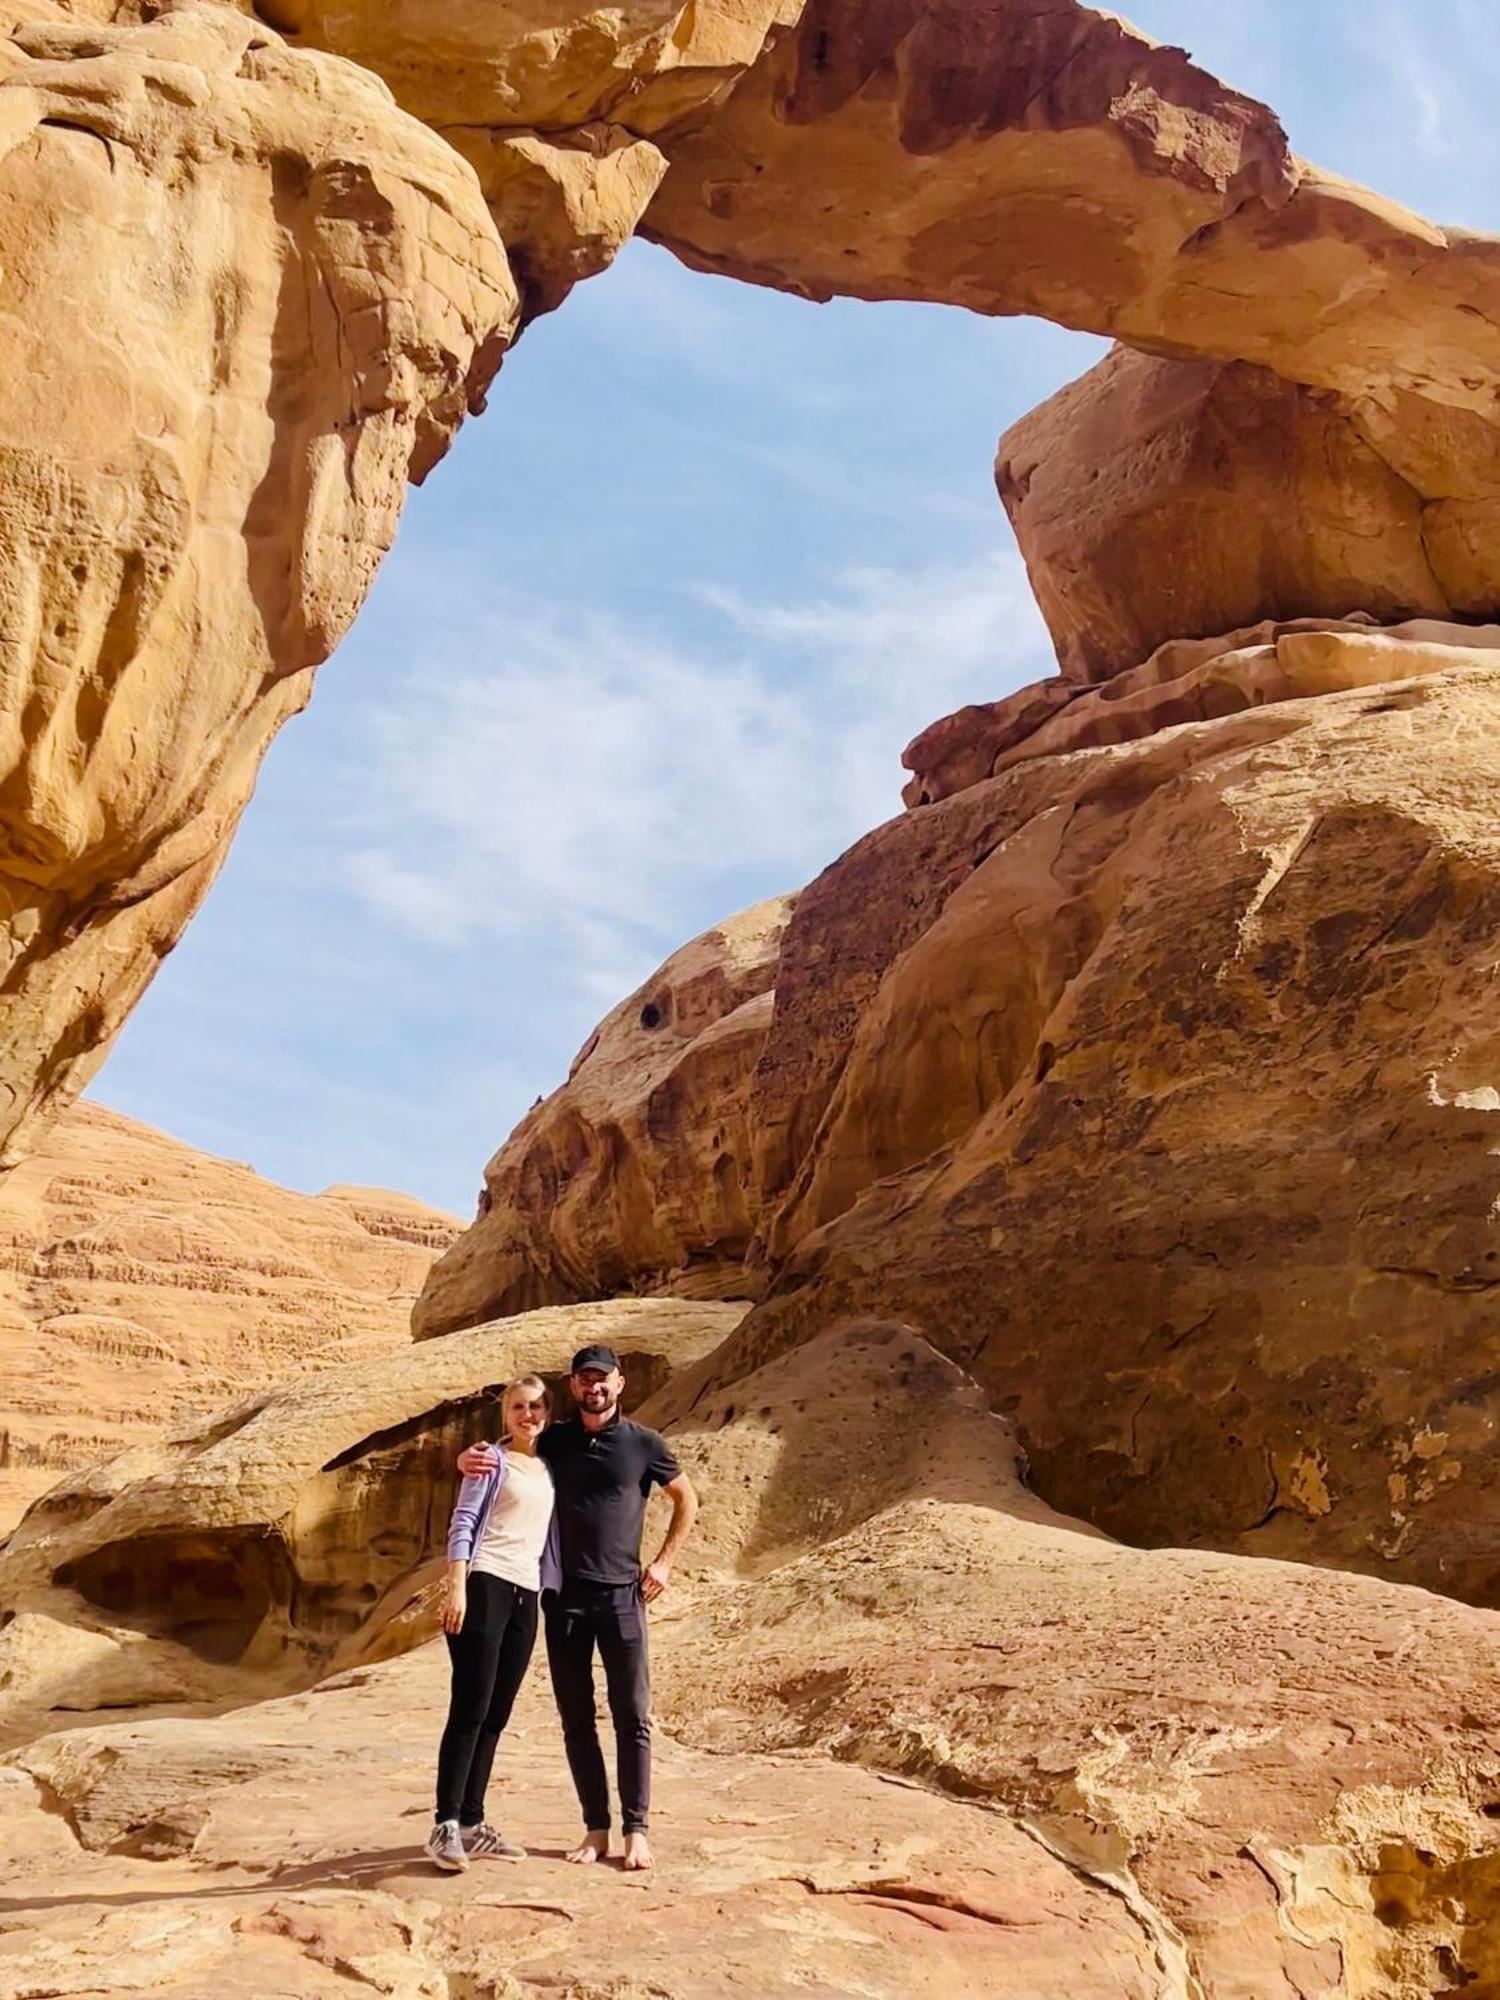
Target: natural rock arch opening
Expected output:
[1191,231]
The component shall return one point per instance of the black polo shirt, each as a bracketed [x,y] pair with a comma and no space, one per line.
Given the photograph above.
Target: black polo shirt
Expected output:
[602,1479]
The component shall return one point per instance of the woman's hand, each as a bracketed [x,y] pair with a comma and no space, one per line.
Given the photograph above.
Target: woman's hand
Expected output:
[455,1604]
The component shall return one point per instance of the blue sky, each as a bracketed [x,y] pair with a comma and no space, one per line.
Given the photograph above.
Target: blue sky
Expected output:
[649,647]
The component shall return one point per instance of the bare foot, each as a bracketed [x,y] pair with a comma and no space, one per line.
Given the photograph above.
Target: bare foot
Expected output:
[592,1847]
[637,1851]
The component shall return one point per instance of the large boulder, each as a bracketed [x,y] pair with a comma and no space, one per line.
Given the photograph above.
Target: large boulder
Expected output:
[1156,1082]
[1156,500]
[635,1174]
[144,1283]
[274,300]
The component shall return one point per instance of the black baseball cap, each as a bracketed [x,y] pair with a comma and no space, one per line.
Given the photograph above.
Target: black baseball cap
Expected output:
[596,1356]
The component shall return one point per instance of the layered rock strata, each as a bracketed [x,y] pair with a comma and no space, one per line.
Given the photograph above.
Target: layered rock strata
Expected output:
[275,299]
[636,1174]
[1184,680]
[144,1283]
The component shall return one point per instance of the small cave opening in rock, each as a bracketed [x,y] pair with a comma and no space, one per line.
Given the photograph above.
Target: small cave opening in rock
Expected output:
[209,1591]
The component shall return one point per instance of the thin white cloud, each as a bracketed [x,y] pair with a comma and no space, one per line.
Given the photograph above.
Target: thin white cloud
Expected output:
[561,774]
[1403,51]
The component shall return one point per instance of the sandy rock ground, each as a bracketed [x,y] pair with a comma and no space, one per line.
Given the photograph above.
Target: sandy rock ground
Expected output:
[918,1732]
[286,1841]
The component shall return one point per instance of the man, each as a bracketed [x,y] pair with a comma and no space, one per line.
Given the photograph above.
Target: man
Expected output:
[603,1467]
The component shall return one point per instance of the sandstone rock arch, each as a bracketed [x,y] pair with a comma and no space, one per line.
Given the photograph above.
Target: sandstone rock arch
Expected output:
[1034,156]
[194,568]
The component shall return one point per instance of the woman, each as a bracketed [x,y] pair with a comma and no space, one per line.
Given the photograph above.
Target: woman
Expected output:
[502,1552]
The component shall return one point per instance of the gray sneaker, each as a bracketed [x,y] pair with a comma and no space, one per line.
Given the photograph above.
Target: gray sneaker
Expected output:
[489,1840]
[445,1847]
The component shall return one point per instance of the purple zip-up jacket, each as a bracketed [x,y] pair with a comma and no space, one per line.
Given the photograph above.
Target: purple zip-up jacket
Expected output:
[472,1509]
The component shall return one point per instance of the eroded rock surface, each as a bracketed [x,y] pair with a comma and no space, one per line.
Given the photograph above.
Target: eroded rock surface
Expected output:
[145,1283]
[919,1733]
[470,62]
[636,1174]
[1184,680]
[1287,1776]
[556,108]
[1152,1078]
[276,1851]
[564,203]
[275,299]
[299,1530]
[1156,1083]
[1038,157]
[1156,500]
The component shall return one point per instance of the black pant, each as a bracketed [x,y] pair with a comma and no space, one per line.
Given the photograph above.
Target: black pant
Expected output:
[610,1616]
[490,1656]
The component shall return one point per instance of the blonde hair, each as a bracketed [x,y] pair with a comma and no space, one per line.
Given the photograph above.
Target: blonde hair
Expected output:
[525,1382]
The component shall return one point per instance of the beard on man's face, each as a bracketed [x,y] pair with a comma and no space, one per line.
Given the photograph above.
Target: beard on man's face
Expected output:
[596,1395]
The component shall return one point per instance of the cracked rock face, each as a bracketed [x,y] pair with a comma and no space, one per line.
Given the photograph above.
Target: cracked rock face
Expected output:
[144,1283]
[282,297]
[636,1174]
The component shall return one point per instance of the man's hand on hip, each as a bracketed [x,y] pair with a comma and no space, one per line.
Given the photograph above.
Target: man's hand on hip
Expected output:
[654,1579]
